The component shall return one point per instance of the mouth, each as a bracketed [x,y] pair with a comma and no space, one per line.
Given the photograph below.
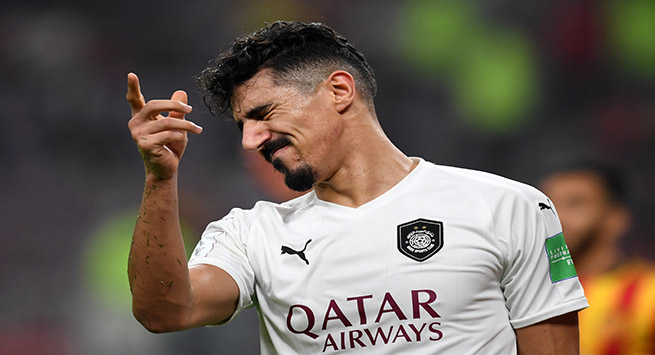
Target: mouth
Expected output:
[273,147]
[275,152]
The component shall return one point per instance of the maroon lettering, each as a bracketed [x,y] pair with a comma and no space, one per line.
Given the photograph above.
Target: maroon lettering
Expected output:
[355,338]
[329,341]
[400,330]
[360,307]
[423,301]
[388,299]
[417,331]
[378,332]
[436,331]
[333,306]
[311,320]
[416,303]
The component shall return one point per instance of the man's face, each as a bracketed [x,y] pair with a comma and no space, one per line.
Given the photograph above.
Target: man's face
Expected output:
[582,204]
[292,130]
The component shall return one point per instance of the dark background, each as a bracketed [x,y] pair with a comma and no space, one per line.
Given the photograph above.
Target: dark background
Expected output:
[504,86]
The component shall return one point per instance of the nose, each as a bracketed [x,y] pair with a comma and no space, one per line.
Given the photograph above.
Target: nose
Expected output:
[254,135]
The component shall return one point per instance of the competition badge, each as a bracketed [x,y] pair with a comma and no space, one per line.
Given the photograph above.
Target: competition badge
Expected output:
[559,259]
[420,239]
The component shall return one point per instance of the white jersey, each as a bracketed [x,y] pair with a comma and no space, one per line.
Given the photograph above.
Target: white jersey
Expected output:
[448,261]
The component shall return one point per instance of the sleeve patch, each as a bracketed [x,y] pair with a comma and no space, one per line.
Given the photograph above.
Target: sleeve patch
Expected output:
[560,264]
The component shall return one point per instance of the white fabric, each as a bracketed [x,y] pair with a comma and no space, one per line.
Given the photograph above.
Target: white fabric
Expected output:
[359,293]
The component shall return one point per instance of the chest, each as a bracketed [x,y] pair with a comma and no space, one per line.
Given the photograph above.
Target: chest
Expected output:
[412,273]
[436,253]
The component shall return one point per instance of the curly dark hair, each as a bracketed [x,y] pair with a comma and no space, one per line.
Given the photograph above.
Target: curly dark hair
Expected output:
[297,53]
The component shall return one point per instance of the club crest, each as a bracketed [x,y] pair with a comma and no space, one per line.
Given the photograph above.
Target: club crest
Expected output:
[420,239]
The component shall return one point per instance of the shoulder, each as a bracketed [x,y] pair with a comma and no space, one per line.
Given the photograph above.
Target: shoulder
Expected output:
[240,222]
[488,186]
[511,205]
[269,210]
[283,209]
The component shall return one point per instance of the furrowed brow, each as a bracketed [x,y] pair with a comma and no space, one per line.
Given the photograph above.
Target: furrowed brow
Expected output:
[258,111]
[254,113]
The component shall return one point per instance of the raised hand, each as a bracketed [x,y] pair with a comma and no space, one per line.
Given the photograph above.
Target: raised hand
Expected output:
[160,139]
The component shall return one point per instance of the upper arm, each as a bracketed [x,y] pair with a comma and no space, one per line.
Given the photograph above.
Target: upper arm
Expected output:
[215,295]
[221,275]
[558,335]
[539,279]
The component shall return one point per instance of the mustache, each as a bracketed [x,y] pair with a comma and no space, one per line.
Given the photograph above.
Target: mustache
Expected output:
[271,146]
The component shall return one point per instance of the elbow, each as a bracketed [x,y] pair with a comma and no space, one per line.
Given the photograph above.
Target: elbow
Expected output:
[160,322]
[154,327]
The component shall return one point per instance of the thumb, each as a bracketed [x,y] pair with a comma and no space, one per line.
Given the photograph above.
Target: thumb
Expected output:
[179,95]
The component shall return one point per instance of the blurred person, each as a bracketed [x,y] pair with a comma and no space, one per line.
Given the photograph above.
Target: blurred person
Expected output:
[591,201]
[387,254]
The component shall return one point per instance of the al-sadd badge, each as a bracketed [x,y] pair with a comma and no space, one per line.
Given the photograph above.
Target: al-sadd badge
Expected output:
[420,239]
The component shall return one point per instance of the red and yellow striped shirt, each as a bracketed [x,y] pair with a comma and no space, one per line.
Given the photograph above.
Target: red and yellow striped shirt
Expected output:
[620,319]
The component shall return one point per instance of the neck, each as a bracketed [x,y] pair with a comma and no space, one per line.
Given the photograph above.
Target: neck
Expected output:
[372,167]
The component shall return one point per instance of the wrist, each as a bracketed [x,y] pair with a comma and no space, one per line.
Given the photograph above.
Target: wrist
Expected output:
[153,178]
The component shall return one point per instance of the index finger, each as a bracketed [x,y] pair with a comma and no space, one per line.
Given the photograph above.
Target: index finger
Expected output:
[134,95]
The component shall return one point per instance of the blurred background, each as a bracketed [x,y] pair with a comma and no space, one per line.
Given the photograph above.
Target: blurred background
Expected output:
[503,86]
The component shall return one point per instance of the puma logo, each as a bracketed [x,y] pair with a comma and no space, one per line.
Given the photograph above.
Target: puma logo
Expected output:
[301,254]
[543,206]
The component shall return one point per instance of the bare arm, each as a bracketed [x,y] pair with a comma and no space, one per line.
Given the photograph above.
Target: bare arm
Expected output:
[166,295]
[558,335]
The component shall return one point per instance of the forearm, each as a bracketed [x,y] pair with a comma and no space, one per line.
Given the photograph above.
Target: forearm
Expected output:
[157,267]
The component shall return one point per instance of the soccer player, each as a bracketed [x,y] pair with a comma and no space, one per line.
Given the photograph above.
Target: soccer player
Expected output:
[591,200]
[387,254]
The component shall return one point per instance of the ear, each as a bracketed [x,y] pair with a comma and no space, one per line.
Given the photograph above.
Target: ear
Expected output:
[342,87]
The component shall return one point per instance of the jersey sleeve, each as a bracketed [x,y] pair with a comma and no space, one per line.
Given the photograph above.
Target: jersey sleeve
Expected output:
[539,281]
[224,244]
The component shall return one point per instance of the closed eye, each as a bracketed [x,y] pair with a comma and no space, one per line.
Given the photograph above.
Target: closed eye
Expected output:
[267,115]
[259,112]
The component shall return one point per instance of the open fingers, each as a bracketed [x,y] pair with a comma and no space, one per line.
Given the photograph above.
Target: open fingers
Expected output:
[153,109]
[134,95]
[152,142]
[171,124]
[141,129]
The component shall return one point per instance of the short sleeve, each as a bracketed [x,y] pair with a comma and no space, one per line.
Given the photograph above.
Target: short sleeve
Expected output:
[540,280]
[224,244]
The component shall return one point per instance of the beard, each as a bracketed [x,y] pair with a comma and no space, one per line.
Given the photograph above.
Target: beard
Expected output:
[301,179]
